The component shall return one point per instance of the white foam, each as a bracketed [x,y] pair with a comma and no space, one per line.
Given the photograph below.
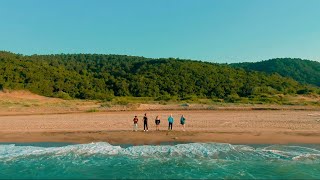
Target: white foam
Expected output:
[192,150]
[306,157]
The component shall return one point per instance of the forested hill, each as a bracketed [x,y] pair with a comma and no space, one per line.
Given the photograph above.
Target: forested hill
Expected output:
[304,71]
[94,76]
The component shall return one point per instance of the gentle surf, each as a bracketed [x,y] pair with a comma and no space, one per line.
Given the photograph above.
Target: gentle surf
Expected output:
[187,161]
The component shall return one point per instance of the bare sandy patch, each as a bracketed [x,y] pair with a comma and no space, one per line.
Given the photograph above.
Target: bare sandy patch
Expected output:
[231,126]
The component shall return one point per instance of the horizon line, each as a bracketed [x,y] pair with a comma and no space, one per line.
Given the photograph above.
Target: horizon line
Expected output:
[178,58]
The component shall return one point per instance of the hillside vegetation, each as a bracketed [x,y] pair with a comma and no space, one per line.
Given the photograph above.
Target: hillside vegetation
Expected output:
[95,76]
[304,71]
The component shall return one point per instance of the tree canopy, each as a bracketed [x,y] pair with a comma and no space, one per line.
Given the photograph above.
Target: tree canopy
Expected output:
[97,76]
[304,71]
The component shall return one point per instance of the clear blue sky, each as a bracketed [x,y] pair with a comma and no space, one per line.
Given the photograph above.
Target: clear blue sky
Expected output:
[211,30]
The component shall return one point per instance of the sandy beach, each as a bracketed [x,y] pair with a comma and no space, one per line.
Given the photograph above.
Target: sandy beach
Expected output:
[229,126]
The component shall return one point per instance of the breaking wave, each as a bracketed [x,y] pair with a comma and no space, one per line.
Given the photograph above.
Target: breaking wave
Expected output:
[181,161]
[221,151]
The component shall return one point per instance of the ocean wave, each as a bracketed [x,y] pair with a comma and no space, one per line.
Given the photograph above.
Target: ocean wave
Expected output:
[221,151]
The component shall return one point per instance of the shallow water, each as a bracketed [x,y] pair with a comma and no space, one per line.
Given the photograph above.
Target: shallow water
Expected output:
[193,160]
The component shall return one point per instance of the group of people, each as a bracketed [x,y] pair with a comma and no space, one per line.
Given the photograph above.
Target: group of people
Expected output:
[157,122]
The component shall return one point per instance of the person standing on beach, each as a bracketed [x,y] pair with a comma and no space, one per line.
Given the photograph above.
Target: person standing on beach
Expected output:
[157,121]
[145,122]
[182,122]
[170,120]
[135,123]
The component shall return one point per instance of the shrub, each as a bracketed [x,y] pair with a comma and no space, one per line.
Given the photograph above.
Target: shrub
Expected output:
[62,95]
[121,101]
[304,91]
[93,110]
[165,97]
[232,98]
[217,100]
[106,105]
[185,105]
[190,97]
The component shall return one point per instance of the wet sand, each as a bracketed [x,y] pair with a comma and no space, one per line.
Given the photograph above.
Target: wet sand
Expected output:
[228,126]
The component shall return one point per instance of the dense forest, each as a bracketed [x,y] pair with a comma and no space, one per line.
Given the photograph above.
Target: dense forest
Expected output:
[304,71]
[95,76]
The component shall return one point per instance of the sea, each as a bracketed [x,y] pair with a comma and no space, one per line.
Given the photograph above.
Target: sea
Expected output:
[101,160]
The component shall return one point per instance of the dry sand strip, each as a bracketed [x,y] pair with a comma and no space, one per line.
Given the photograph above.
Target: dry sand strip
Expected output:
[239,127]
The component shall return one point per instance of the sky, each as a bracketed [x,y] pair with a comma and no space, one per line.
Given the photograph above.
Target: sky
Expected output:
[223,31]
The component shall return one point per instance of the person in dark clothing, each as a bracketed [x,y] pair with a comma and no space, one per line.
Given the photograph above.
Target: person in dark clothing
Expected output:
[145,122]
[183,122]
[157,121]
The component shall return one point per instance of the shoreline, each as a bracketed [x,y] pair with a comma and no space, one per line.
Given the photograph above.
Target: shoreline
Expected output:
[156,138]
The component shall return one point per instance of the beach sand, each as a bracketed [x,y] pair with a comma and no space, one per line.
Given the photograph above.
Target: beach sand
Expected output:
[227,126]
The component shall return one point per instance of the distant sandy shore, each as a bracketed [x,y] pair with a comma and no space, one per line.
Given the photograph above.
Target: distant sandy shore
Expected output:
[228,126]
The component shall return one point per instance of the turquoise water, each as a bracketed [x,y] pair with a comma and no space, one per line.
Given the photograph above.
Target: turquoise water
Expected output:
[180,161]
